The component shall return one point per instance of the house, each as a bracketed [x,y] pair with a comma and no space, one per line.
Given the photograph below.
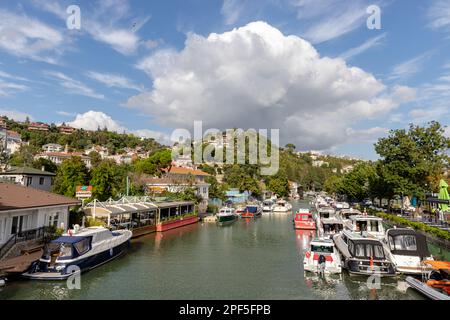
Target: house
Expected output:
[38,126]
[177,179]
[235,196]
[23,208]
[102,151]
[347,169]
[28,177]
[2,122]
[52,147]
[66,129]
[319,163]
[59,157]
[13,141]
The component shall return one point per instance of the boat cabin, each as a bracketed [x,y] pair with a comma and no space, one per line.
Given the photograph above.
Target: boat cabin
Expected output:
[347,213]
[332,226]
[226,211]
[362,247]
[67,248]
[326,212]
[303,216]
[366,225]
[319,246]
[407,242]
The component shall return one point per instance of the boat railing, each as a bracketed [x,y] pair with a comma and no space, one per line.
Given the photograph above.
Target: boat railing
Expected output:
[21,236]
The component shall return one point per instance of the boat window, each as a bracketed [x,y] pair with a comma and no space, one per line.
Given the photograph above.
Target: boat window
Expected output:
[369,251]
[359,250]
[65,250]
[252,209]
[321,249]
[404,242]
[305,217]
[351,248]
[374,226]
[82,246]
[378,250]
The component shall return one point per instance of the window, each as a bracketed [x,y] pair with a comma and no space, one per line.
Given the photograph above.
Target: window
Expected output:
[378,250]
[359,250]
[403,242]
[82,246]
[321,249]
[41,180]
[53,219]
[29,181]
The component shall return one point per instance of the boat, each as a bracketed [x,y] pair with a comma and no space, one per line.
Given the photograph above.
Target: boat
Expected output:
[363,255]
[240,209]
[330,226]
[408,250]
[437,285]
[267,205]
[252,211]
[78,250]
[345,214]
[226,216]
[366,225]
[304,220]
[327,249]
[282,206]
[326,212]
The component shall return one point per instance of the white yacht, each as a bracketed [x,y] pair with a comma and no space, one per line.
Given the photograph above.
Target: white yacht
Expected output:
[325,248]
[267,205]
[282,206]
[78,250]
[366,225]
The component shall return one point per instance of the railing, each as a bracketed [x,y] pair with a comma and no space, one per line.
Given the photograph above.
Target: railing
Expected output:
[22,236]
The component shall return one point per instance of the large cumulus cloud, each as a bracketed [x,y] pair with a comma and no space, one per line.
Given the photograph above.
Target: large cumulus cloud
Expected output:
[256,77]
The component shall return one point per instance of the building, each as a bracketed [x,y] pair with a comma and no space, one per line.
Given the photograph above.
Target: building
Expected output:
[28,177]
[347,169]
[52,147]
[23,209]
[102,151]
[235,196]
[13,141]
[2,122]
[38,126]
[177,179]
[319,163]
[66,129]
[59,157]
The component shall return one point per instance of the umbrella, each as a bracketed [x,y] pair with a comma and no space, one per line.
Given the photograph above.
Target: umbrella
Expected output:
[443,194]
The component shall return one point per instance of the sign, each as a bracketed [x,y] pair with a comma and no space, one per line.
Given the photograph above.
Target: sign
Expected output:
[83,191]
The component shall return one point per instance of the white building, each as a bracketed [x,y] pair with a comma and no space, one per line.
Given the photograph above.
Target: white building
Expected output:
[24,209]
[52,147]
[13,141]
[102,151]
[59,157]
[29,177]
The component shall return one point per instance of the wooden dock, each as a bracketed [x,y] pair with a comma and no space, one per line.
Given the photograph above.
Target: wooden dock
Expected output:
[19,264]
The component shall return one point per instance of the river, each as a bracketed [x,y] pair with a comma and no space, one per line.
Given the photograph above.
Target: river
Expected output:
[251,259]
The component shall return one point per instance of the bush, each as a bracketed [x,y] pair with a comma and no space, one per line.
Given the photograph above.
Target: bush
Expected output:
[91,222]
[212,208]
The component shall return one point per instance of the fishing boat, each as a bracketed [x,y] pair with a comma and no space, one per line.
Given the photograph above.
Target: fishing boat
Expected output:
[282,206]
[304,220]
[226,216]
[370,225]
[363,255]
[329,253]
[267,205]
[77,251]
[252,211]
[437,285]
[408,250]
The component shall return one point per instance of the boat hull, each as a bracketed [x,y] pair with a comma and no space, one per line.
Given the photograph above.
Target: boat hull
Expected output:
[168,225]
[225,220]
[83,264]
[304,225]
[426,290]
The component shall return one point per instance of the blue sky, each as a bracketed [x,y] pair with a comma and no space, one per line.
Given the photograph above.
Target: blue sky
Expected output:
[310,68]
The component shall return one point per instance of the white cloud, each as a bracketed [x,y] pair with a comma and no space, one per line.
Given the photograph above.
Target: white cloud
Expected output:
[65,113]
[422,115]
[113,80]
[439,15]
[26,37]
[92,120]
[231,10]
[6,75]
[370,43]
[14,114]
[255,77]
[74,86]
[369,135]
[409,67]
[8,88]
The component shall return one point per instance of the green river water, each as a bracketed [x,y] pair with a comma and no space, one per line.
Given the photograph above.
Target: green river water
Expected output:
[251,259]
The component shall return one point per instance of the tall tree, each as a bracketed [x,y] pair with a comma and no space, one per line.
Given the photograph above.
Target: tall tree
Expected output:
[105,180]
[71,173]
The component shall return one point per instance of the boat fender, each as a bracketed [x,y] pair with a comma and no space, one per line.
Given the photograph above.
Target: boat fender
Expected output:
[2,282]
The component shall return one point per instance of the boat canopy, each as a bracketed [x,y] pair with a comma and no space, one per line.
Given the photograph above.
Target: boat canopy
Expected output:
[251,209]
[68,247]
[407,242]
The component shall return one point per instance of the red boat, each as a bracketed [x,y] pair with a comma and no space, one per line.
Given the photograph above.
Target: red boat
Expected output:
[304,220]
[252,211]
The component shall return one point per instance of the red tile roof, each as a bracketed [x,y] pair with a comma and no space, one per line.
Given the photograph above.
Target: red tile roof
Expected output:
[13,196]
[181,170]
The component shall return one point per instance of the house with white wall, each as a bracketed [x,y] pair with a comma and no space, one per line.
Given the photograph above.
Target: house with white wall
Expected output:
[28,177]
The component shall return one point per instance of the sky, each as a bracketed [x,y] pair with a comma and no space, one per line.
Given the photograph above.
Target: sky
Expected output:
[321,71]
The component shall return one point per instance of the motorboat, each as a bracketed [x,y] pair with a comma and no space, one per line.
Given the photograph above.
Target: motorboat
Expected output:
[408,250]
[77,251]
[437,281]
[304,220]
[329,253]
[252,211]
[267,205]
[345,214]
[282,206]
[366,225]
[326,212]
[330,226]
[226,216]
[240,209]
[363,255]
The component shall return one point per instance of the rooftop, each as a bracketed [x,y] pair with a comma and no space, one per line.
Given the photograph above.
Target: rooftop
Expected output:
[13,197]
[26,170]
[181,170]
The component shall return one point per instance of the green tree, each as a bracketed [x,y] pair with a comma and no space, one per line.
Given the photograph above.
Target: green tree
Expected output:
[46,163]
[105,180]
[333,184]
[71,173]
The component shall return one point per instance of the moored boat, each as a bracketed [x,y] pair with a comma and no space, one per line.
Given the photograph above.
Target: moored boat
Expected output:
[267,205]
[330,226]
[304,220]
[252,211]
[437,285]
[78,251]
[364,224]
[408,250]
[322,250]
[282,206]
[363,255]
[226,216]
